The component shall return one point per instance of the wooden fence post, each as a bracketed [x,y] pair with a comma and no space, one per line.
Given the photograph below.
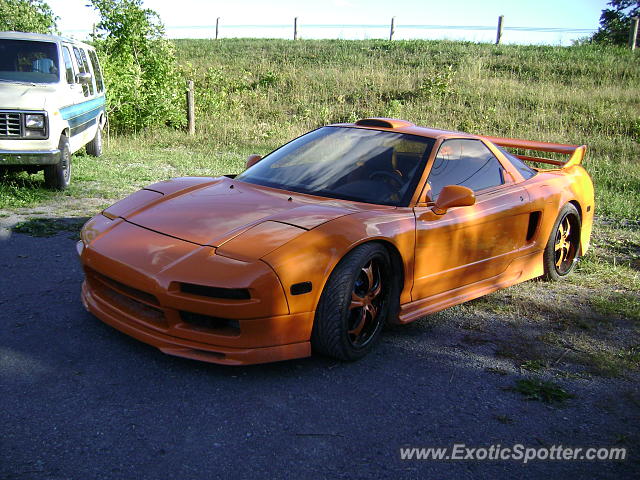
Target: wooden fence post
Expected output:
[191,109]
[217,26]
[295,28]
[393,29]
[633,33]
[499,33]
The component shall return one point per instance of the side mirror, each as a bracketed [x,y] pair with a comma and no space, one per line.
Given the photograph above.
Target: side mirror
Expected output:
[252,160]
[83,78]
[453,196]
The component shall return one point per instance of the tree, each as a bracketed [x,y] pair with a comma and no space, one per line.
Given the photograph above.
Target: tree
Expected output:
[27,16]
[144,85]
[615,22]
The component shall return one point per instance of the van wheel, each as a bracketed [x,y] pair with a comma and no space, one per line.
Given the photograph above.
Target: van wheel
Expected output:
[58,176]
[94,147]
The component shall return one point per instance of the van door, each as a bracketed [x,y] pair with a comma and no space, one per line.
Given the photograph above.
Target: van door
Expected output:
[83,115]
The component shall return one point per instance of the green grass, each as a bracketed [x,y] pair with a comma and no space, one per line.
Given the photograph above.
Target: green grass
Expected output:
[541,390]
[47,227]
[254,95]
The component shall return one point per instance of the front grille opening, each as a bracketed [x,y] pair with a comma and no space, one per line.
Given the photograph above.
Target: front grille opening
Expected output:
[215,292]
[139,295]
[10,125]
[137,309]
[225,326]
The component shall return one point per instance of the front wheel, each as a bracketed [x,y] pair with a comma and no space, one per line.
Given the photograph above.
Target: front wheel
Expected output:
[561,252]
[58,176]
[354,304]
[94,147]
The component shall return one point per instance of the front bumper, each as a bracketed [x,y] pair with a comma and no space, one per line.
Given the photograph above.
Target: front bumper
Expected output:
[36,157]
[133,282]
[160,336]
[181,347]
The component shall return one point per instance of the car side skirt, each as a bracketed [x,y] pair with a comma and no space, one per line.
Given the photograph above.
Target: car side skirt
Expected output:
[520,269]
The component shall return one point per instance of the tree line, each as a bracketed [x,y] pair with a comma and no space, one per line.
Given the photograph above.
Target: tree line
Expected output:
[144,83]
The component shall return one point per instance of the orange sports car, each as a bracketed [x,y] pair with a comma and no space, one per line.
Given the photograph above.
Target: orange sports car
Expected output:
[315,246]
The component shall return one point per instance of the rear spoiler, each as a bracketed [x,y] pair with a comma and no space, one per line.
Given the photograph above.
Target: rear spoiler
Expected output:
[575,152]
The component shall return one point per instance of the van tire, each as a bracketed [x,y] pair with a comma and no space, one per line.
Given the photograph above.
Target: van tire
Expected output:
[94,147]
[58,176]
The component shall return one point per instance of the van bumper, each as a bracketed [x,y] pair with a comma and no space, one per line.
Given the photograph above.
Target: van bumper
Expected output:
[47,157]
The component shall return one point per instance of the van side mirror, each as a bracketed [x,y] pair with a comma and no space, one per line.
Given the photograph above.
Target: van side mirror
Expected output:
[252,160]
[453,196]
[83,78]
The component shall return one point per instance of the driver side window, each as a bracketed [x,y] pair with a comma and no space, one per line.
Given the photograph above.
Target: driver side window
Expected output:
[464,162]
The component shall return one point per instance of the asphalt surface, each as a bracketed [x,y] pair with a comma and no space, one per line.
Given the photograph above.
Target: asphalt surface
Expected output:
[79,400]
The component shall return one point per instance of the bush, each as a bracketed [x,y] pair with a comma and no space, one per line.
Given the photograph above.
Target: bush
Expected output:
[144,85]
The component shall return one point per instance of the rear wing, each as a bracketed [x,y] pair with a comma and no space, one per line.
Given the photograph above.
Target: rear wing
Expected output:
[575,152]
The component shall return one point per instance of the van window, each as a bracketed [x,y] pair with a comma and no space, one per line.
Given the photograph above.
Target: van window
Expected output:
[97,73]
[83,69]
[68,65]
[86,65]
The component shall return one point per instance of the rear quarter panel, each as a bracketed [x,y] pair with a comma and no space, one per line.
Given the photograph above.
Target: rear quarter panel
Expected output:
[550,190]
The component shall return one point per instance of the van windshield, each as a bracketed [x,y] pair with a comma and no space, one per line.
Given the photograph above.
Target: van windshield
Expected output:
[28,61]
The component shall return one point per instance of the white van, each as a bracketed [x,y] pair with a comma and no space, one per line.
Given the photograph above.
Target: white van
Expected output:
[52,103]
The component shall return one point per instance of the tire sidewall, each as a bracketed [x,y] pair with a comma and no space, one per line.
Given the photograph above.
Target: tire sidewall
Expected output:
[550,271]
[348,270]
[57,176]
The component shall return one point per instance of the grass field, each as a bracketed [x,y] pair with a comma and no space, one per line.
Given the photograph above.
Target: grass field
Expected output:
[253,95]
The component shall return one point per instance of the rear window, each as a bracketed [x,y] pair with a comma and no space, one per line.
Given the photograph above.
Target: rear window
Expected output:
[28,61]
[97,73]
[525,170]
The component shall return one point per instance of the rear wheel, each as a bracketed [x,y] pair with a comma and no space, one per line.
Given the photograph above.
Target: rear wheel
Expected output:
[94,147]
[561,252]
[58,176]
[354,304]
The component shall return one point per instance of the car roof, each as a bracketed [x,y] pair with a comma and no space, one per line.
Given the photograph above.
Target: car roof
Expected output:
[402,126]
[40,37]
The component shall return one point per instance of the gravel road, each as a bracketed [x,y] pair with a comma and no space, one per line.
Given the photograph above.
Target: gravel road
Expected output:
[79,400]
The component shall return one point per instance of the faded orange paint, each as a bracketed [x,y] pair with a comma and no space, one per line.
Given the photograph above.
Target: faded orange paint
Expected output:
[227,234]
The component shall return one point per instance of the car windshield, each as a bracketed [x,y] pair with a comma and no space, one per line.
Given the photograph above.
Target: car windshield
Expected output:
[29,62]
[349,163]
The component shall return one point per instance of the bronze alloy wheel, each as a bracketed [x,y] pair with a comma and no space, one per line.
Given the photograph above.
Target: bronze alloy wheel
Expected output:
[365,304]
[355,303]
[566,245]
[563,247]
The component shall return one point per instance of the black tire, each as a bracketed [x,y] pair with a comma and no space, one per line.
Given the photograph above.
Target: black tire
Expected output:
[58,176]
[354,304]
[561,253]
[94,147]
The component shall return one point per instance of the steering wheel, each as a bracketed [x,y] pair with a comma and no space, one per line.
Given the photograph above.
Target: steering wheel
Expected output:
[393,179]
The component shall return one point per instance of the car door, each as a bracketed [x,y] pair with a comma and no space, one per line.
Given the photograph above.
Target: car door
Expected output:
[473,243]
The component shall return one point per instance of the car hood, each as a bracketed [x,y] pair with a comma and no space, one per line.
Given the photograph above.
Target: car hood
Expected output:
[214,211]
[18,96]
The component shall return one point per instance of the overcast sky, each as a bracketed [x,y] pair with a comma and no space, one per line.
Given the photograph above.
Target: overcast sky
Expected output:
[76,19]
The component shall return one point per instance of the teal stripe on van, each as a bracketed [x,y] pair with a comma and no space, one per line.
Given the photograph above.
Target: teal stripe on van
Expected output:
[82,108]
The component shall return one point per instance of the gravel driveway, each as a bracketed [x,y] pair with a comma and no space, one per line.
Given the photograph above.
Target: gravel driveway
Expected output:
[79,400]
